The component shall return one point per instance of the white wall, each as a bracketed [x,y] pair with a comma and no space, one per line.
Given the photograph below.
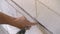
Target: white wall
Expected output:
[53,4]
[45,16]
[50,19]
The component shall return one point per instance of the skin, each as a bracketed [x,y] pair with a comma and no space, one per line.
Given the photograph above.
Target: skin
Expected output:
[20,22]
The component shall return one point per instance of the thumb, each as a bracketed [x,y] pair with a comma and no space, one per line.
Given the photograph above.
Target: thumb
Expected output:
[33,23]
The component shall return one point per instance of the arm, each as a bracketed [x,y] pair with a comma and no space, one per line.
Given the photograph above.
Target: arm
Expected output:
[17,22]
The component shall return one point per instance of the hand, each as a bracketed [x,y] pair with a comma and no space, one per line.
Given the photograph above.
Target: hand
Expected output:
[24,23]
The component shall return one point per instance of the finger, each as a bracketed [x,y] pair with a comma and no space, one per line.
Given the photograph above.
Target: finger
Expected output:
[34,23]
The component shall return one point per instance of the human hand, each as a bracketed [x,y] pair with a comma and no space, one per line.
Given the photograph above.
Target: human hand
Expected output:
[22,22]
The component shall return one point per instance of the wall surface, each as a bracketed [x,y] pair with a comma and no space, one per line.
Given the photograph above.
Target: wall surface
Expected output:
[51,19]
[46,16]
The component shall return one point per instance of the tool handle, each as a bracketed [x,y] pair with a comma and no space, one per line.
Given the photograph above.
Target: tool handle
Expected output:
[22,31]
